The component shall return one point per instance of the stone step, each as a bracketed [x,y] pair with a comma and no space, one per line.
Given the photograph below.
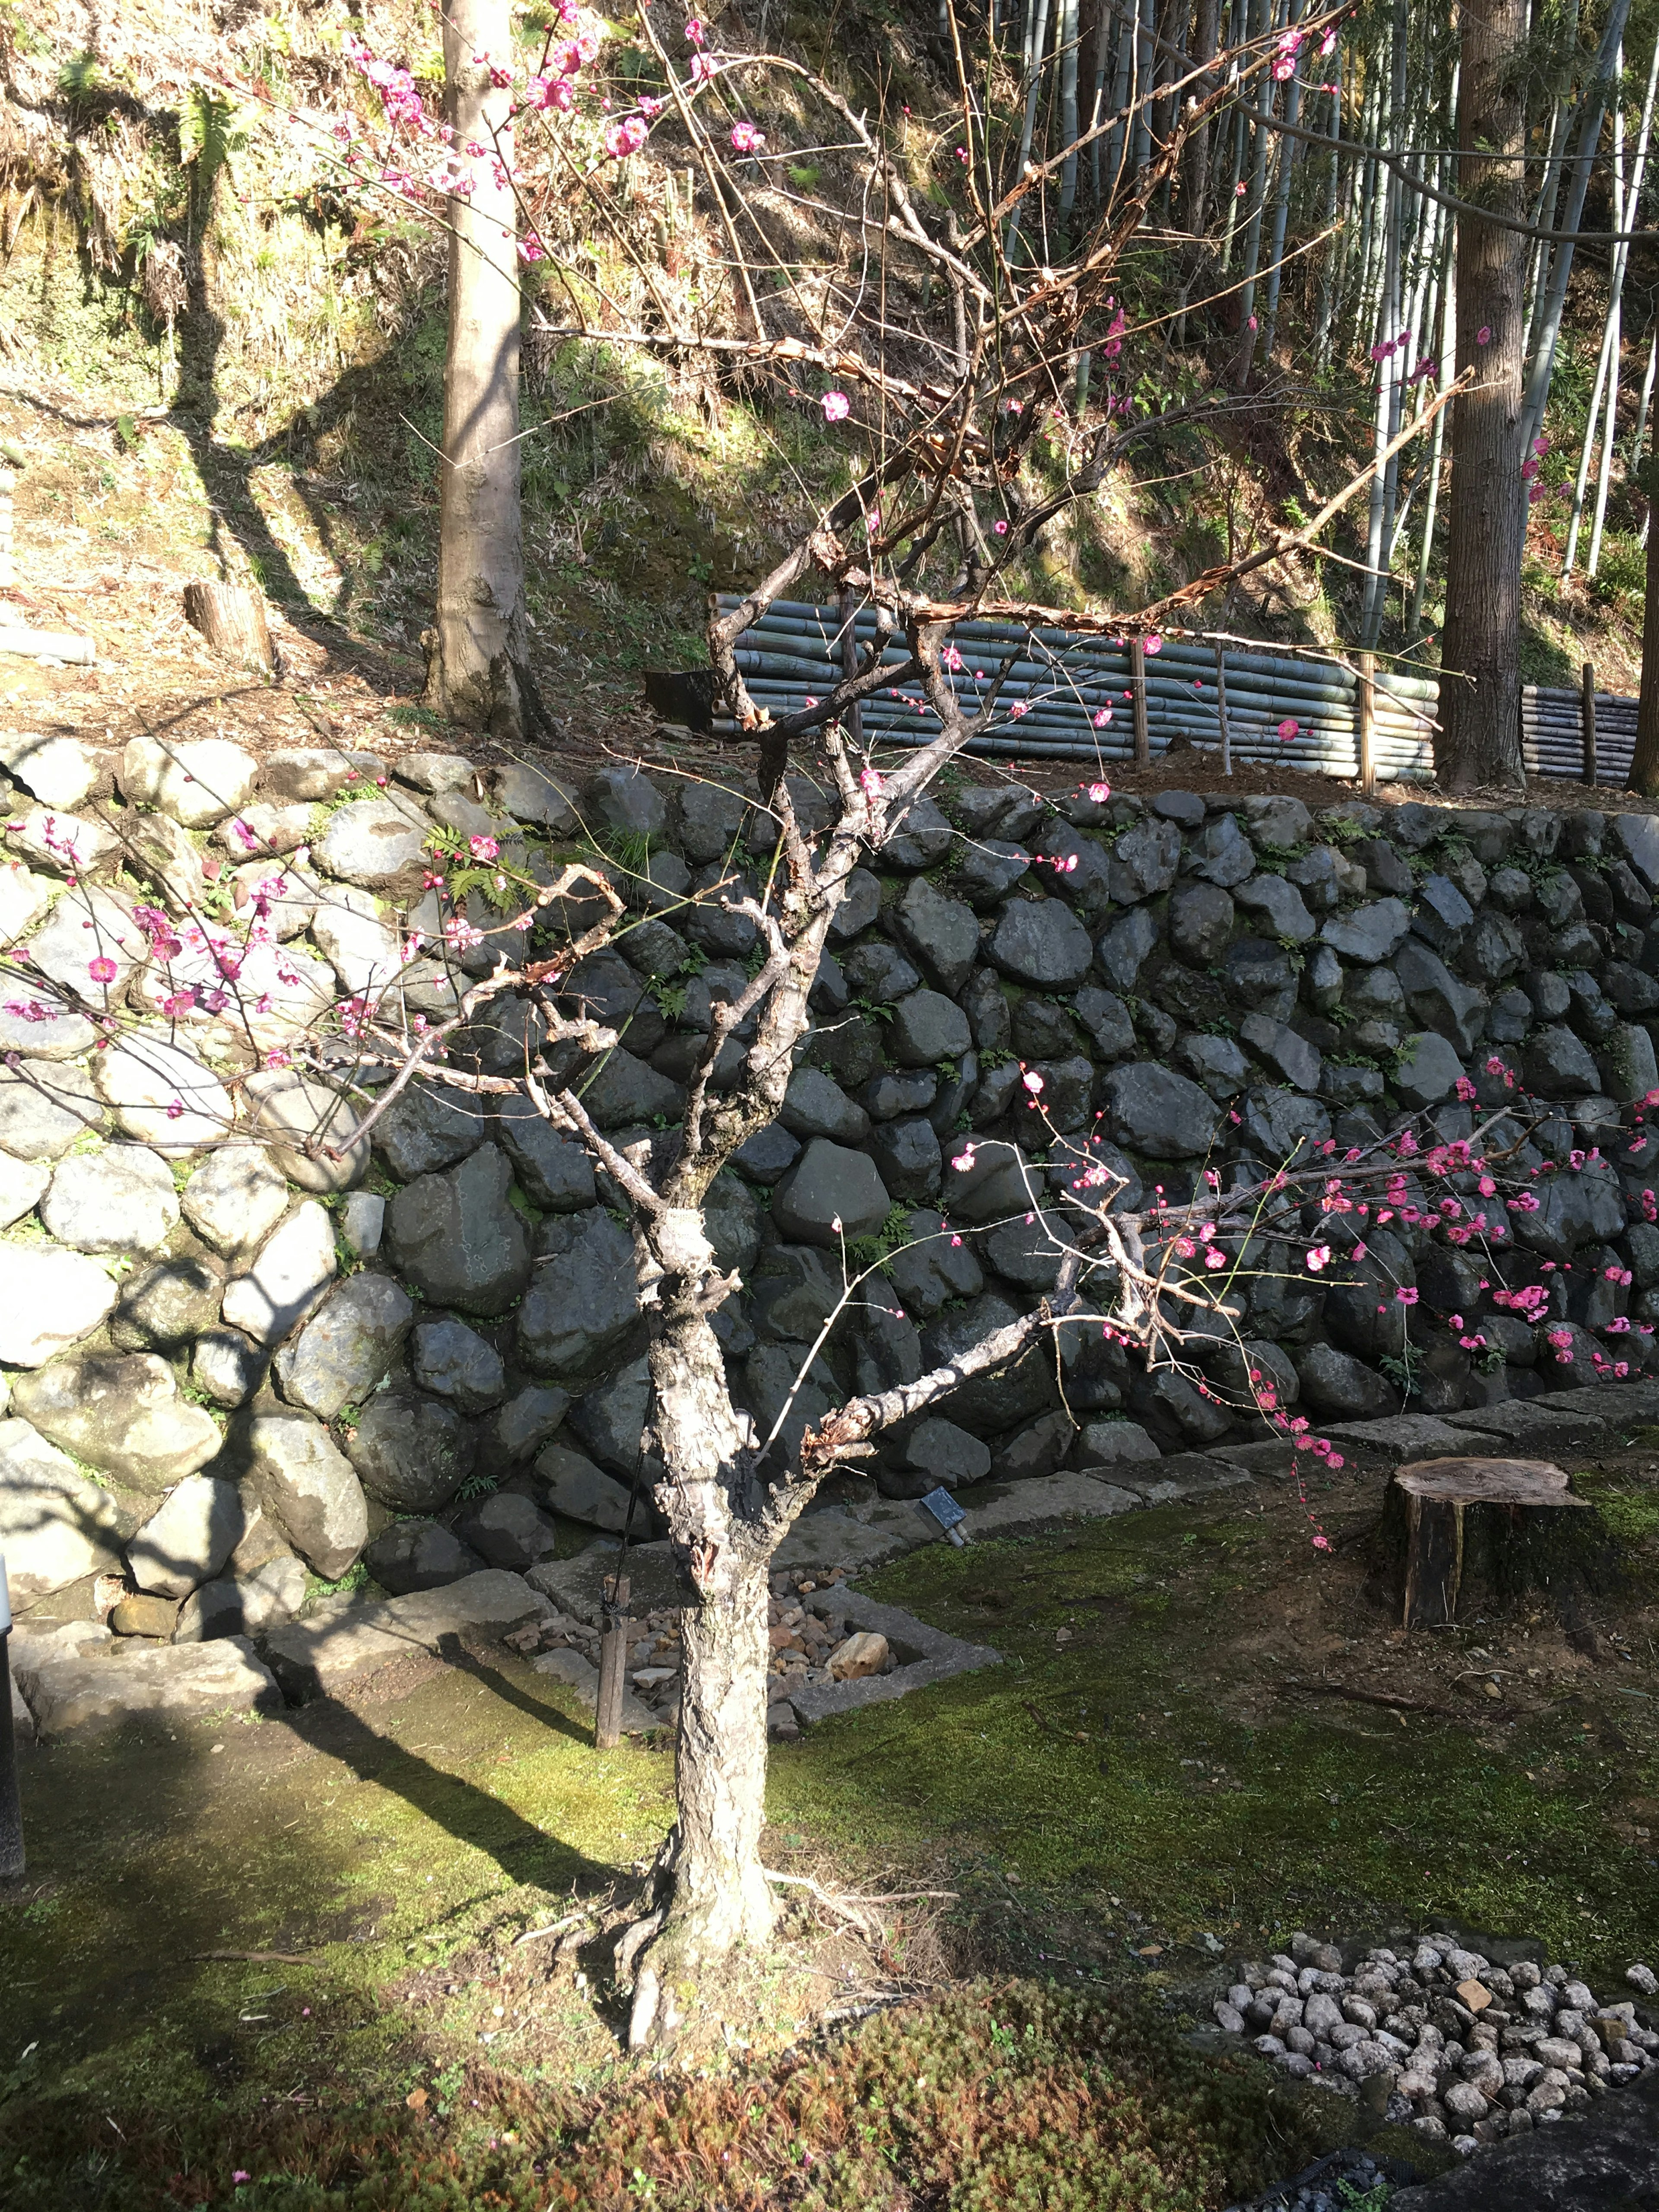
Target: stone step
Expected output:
[342,1649]
[82,1680]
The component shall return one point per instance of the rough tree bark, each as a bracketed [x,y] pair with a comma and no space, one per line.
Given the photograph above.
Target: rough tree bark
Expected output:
[478,673]
[1480,741]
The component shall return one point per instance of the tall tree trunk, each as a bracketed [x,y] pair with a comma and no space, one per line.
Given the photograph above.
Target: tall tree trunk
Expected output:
[476,670]
[1644,763]
[1479,740]
[715,1896]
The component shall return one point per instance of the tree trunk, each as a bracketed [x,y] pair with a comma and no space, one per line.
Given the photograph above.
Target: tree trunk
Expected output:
[1479,742]
[1644,762]
[476,670]
[713,1893]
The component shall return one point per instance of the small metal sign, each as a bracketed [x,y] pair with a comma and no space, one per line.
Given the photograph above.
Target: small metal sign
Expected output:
[942,1510]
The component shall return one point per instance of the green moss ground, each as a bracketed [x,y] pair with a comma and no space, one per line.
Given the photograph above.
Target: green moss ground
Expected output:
[1105,1807]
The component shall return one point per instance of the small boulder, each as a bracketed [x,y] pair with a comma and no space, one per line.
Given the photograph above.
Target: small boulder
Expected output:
[119,1199]
[582,1307]
[508,1531]
[555,1173]
[337,1357]
[161,1095]
[56,1528]
[188,1538]
[294,1268]
[832,1194]
[519,1429]
[198,782]
[376,843]
[49,1300]
[167,1304]
[864,1653]
[411,1453]
[427,1129]
[418,1555]
[45,1108]
[458,1239]
[454,1362]
[121,1413]
[1041,943]
[236,1198]
[946,1454]
[292,1113]
[238,1605]
[227,1365]
[573,1486]
[302,1482]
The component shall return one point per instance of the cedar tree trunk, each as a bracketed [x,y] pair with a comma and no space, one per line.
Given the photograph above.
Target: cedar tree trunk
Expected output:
[1479,742]
[476,672]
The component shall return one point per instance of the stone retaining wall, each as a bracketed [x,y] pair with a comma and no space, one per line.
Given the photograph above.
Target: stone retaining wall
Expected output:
[234,1355]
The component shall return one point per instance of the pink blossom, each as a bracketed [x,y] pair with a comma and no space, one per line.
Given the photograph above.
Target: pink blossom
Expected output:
[483,848]
[1464,1089]
[695,31]
[746,139]
[1288,729]
[1018,707]
[1405,1296]
[872,783]
[1100,793]
[624,138]
[1102,716]
[951,658]
[1000,528]
[1032,1080]
[1154,643]
[102,969]
[1318,1258]
[962,154]
[1483,336]
[836,407]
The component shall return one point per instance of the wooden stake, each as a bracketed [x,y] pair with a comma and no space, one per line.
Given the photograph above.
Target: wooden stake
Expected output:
[1221,711]
[1588,714]
[1367,733]
[232,621]
[847,610]
[613,1668]
[1138,685]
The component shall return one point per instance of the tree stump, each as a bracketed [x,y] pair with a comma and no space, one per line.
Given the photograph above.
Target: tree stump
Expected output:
[232,621]
[1490,1530]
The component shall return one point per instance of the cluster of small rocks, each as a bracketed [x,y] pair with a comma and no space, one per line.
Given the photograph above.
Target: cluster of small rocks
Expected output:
[1462,2048]
[806,1646]
[1333,2183]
